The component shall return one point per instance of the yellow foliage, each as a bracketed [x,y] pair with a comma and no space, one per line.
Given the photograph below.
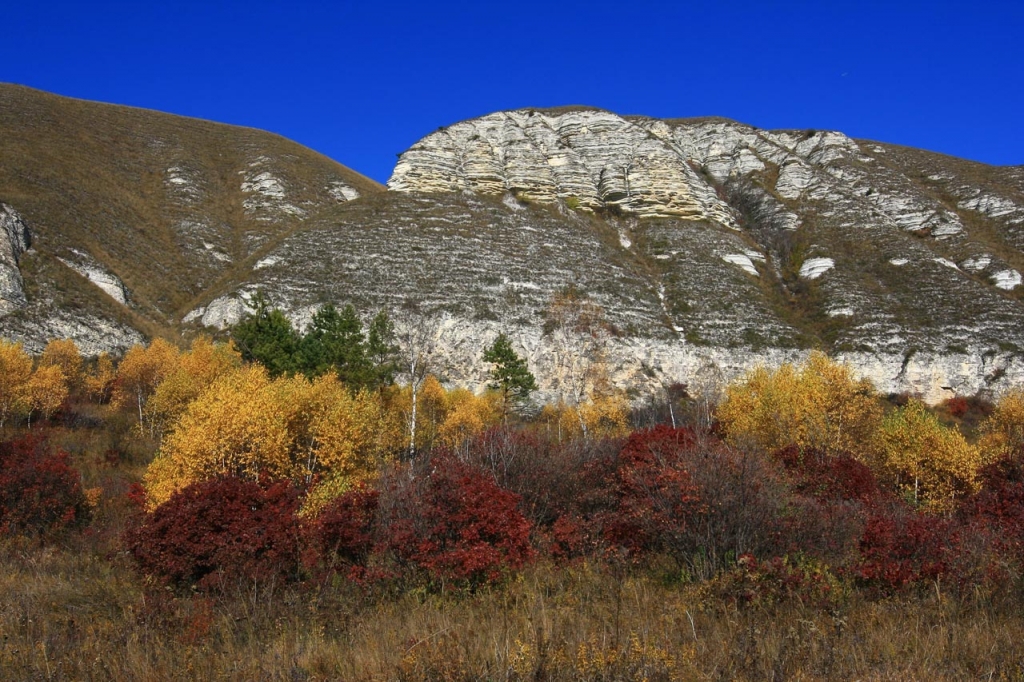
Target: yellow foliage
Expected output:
[15,371]
[141,371]
[193,371]
[817,405]
[467,415]
[46,390]
[64,354]
[1002,434]
[236,426]
[606,416]
[246,424]
[98,383]
[931,463]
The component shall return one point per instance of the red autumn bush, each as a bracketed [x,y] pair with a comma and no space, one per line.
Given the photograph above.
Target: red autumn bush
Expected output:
[656,497]
[217,533]
[551,478]
[901,547]
[698,501]
[39,492]
[453,521]
[957,407]
[346,531]
[829,477]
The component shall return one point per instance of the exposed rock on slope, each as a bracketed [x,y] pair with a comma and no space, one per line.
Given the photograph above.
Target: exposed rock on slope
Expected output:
[708,243]
[136,213]
[14,240]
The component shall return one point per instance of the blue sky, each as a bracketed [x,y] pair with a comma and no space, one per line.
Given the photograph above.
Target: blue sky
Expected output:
[361,82]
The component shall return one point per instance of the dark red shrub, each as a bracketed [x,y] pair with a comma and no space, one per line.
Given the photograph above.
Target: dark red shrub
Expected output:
[901,547]
[217,533]
[656,496]
[956,407]
[39,492]
[346,531]
[452,520]
[551,478]
[996,514]
[829,477]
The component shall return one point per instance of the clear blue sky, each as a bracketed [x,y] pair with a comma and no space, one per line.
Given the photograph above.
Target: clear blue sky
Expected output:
[360,82]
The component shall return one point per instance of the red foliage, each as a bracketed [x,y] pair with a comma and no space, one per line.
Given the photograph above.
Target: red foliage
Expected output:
[655,493]
[456,523]
[551,478]
[957,406]
[215,533]
[901,547]
[345,531]
[997,510]
[39,492]
[830,478]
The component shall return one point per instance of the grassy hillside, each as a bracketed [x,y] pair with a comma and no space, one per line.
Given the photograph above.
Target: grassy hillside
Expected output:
[165,203]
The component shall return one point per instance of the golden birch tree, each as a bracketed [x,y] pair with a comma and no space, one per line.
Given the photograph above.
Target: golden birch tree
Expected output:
[15,371]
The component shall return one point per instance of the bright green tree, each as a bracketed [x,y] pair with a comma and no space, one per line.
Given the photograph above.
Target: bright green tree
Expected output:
[382,351]
[335,341]
[266,336]
[510,374]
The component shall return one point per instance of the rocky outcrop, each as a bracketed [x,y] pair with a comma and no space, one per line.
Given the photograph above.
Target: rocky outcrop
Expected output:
[86,266]
[14,241]
[590,159]
[710,245]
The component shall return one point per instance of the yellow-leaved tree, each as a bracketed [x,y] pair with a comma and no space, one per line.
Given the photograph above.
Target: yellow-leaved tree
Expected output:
[140,372]
[186,378]
[818,404]
[1002,434]
[46,390]
[466,415]
[233,427]
[245,424]
[932,464]
[99,382]
[64,353]
[15,371]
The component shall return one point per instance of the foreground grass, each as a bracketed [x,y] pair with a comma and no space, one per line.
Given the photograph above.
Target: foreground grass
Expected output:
[78,612]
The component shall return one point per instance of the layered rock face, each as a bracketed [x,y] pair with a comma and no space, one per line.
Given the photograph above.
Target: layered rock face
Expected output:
[136,214]
[14,241]
[710,246]
[905,263]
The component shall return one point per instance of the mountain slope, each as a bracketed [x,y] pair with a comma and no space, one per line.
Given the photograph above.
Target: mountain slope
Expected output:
[150,208]
[708,243]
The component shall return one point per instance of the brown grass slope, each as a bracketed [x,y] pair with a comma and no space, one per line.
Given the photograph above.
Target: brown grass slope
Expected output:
[156,199]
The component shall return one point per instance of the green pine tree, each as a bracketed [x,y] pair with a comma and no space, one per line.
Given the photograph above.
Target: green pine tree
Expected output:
[382,351]
[510,374]
[335,342]
[266,336]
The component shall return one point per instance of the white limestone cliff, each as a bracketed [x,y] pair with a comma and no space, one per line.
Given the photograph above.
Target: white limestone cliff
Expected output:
[14,241]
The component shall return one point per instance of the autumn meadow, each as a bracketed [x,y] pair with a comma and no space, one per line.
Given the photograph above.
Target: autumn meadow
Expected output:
[319,506]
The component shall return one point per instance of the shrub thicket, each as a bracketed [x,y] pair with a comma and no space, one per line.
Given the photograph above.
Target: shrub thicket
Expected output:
[220,533]
[39,491]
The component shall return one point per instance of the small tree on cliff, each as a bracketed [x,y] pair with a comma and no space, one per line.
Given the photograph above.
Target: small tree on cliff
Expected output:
[510,375]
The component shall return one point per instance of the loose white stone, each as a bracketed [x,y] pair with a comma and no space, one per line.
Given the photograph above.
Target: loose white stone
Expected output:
[948,263]
[266,262]
[899,261]
[339,191]
[977,263]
